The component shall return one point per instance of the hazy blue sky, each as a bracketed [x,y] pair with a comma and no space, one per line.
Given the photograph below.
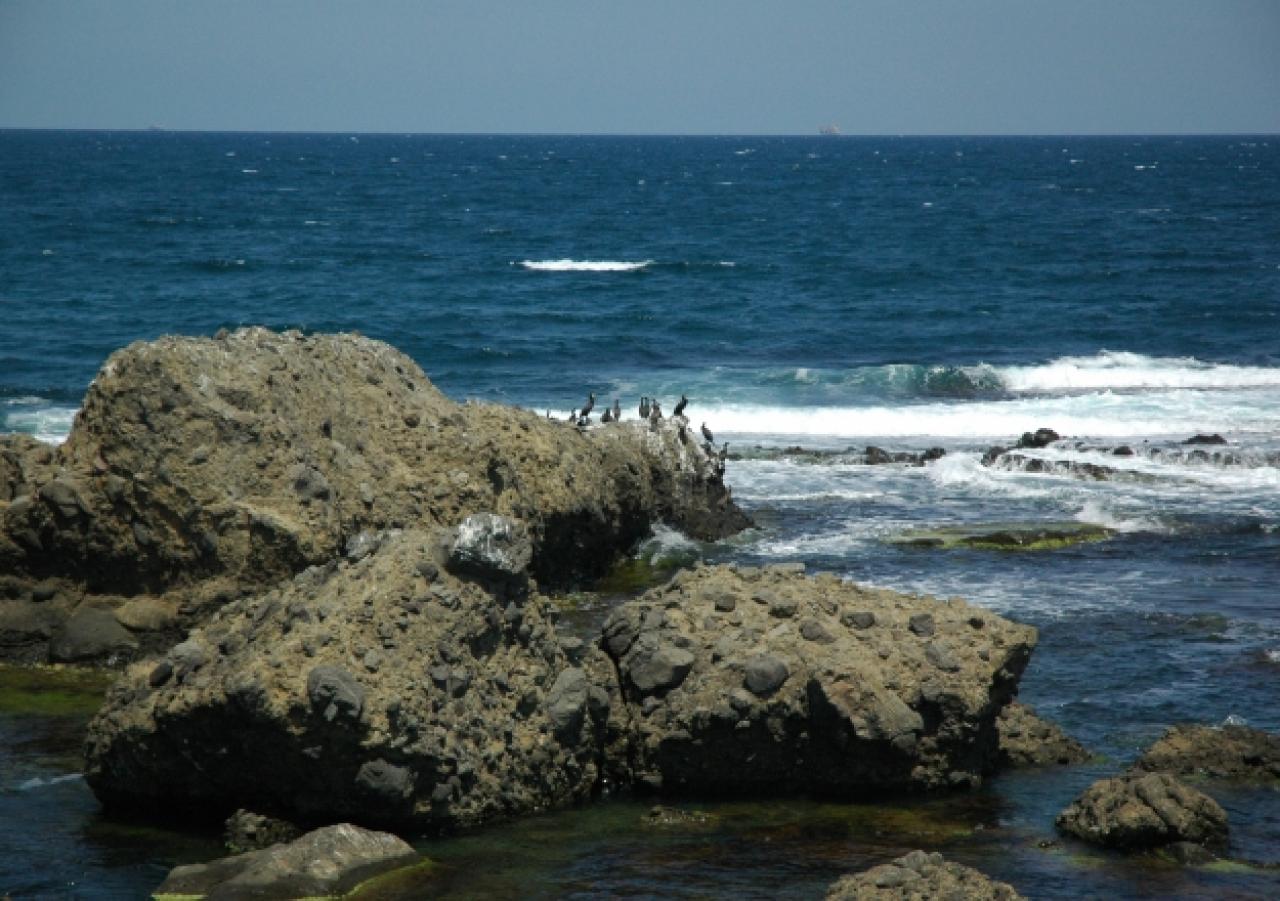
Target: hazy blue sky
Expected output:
[728,66]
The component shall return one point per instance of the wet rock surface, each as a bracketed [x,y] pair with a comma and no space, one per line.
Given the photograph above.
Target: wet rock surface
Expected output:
[1225,752]
[920,875]
[385,691]
[1144,810]
[809,685]
[326,863]
[201,470]
[1027,740]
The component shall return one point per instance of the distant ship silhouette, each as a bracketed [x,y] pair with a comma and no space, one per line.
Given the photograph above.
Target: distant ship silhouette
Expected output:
[829,130]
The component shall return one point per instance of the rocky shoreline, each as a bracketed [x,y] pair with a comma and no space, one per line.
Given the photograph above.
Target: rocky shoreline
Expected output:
[330,590]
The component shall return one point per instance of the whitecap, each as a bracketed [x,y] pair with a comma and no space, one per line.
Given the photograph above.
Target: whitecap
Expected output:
[39,782]
[567,265]
[1119,369]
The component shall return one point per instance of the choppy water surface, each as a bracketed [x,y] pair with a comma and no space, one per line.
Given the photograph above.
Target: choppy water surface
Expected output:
[819,294]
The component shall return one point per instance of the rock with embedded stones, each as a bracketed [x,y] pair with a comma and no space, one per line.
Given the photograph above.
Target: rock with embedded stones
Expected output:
[1144,810]
[204,469]
[1226,752]
[1027,740]
[757,707]
[920,876]
[325,863]
[361,691]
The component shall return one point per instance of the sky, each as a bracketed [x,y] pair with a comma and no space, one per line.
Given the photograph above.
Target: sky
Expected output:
[652,67]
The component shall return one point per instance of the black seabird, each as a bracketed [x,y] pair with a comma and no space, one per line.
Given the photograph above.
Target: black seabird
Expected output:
[617,411]
[644,408]
[680,406]
[591,404]
[606,417]
[706,433]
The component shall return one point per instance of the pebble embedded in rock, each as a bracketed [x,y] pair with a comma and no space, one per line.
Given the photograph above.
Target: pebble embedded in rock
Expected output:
[764,675]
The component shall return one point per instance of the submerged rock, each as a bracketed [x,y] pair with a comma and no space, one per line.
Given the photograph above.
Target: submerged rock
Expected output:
[1027,740]
[841,697]
[383,691]
[1144,810]
[1226,752]
[1004,536]
[326,863]
[204,469]
[923,876]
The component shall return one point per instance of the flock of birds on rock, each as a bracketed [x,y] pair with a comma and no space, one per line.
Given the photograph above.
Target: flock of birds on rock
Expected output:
[651,410]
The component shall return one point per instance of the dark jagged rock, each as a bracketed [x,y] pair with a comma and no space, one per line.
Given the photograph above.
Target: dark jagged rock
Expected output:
[248,831]
[920,876]
[326,863]
[747,703]
[199,470]
[1026,740]
[1144,810]
[1206,439]
[876,456]
[384,691]
[1227,752]
[1039,438]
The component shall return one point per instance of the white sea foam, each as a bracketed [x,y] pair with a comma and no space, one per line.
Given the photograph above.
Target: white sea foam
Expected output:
[39,782]
[48,424]
[584,265]
[1099,415]
[1119,370]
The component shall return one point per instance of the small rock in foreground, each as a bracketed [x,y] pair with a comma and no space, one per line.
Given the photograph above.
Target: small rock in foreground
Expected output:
[920,875]
[1138,811]
[325,863]
[248,831]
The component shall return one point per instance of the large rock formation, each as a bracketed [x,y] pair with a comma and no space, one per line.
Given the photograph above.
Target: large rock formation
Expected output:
[1144,810]
[757,682]
[326,863]
[1227,752]
[384,690]
[920,876]
[199,470]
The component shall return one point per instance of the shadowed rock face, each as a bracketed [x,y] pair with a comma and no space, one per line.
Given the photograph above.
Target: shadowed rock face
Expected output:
[382,690]
[920,875]
[202,469]
[759,682]
[1144,810]
[1026,740]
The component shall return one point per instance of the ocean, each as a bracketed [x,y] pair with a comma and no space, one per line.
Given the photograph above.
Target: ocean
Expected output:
[811,297]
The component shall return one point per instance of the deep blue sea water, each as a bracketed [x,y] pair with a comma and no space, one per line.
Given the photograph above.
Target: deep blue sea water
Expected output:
[826,293]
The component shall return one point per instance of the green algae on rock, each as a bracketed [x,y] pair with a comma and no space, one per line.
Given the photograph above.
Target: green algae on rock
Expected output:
[52,690]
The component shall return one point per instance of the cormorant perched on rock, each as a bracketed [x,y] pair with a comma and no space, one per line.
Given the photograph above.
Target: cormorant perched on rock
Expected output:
[591,404]
[644,408]
[606,417]
[655,412]
[573,416]
[706,433]
[680,406]
[721,457]
[617,411]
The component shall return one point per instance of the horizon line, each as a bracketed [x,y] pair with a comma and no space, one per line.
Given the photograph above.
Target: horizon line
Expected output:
[157,129]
